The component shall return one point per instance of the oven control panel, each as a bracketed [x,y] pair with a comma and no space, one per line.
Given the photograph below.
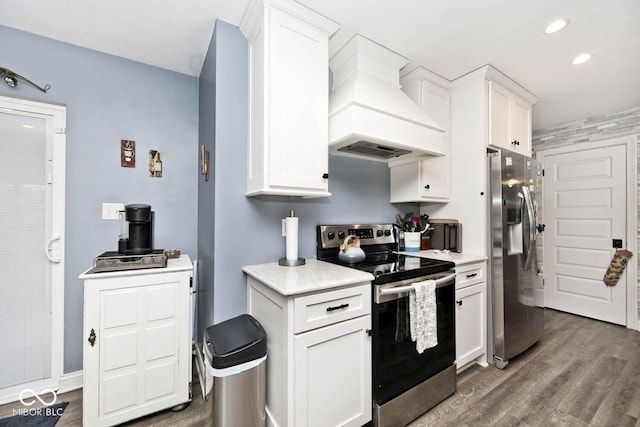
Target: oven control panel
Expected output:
[332,236]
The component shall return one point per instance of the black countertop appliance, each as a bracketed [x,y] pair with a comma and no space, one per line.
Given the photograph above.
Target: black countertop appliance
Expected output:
[136,230]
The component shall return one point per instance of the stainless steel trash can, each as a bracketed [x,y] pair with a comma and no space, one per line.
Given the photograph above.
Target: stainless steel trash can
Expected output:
[236,353]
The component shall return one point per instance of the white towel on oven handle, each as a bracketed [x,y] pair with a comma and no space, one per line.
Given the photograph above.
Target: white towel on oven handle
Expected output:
[423,315]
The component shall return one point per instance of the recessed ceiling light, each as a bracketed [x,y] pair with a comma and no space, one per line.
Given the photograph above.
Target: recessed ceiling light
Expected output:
[28,126]
[556,26]
[582,58]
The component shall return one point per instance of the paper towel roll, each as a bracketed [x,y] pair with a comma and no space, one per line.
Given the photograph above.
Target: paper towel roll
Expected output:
[291,237]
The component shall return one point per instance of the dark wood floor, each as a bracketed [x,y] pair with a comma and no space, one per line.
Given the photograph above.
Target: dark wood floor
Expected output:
[582,373]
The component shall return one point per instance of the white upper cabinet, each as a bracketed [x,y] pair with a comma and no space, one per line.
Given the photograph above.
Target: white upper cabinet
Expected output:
[509,120]
[425,179]
[288,99]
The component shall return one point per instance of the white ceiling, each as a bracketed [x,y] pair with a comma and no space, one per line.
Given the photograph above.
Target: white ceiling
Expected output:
[450,38]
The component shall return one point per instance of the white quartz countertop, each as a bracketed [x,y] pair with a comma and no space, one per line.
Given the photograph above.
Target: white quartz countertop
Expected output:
[313,276]
[460,258]
[175,264]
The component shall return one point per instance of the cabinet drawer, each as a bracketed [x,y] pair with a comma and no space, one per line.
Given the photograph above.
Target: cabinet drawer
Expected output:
[469,275]
[317,310]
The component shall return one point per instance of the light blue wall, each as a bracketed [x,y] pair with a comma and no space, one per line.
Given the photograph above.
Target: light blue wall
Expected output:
[109,99]
[248,230]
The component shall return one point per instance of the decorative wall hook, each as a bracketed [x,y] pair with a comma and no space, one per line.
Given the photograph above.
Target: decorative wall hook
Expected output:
[11,79]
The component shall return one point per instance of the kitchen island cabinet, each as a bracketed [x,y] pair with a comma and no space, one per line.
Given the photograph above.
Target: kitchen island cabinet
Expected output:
[317,319]
[137,345]
[288,99]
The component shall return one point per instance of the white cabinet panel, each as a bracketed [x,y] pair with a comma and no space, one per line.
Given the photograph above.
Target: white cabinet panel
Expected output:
[509,120]
[471,320]
[119,392]
[119,349]
[288,99]
[425,179]
[319,366]
[330,373]
[137,347]
[161,341]
[317,310]
[471,314]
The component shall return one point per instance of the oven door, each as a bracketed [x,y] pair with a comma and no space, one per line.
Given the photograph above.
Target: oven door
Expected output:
[397,366]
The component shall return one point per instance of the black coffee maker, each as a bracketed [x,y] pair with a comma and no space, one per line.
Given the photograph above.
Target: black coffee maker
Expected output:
[136,230]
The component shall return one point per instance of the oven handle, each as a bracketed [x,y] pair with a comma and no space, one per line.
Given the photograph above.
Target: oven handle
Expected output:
[400,289]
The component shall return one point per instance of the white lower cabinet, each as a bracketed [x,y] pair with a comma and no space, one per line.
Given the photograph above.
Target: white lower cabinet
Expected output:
[471,315]
[319,355]
[137,345]
[330,373]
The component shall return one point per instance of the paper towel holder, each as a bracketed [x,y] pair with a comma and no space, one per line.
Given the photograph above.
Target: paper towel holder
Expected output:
[293,262]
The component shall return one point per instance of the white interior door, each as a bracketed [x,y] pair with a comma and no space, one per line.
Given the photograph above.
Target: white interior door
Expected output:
[32,174]
[585,203]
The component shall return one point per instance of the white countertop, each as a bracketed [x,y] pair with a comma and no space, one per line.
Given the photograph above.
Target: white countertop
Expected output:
[460,258]
[314,275]
[175,264]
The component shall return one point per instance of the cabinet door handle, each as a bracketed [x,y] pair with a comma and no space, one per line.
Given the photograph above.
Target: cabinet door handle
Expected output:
[459,302]
[337,307]
[369,332]
[92,337]
[471,275]
[325,176]
[427,186]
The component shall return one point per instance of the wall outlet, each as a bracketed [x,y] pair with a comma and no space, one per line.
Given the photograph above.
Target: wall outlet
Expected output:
[111,210]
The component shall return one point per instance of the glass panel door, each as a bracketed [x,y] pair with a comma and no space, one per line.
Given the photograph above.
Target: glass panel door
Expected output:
[32,180]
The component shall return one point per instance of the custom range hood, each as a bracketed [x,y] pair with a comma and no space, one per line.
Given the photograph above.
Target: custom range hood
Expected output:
[369,115]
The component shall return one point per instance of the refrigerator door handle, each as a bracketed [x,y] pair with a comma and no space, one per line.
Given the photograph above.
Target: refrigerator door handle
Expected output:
[528,205]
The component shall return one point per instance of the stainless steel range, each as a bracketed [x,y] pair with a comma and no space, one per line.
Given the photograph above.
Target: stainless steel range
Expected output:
[405,383]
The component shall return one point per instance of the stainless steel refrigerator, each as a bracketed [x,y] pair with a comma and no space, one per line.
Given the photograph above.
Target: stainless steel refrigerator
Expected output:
[516,284]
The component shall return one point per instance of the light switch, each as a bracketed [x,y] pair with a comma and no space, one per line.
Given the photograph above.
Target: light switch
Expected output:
[111,210]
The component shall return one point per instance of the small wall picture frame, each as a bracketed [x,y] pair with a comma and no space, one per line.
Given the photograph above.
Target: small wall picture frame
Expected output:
[204,162]
[155,164]
[127,153]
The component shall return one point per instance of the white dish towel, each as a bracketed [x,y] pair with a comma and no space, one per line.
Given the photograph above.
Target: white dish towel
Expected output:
[423,315]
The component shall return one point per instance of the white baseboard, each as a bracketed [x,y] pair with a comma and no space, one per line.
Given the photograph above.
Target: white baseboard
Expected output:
[71,381]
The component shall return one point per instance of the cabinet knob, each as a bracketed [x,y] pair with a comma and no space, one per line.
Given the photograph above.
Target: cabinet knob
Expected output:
[427,186]
[325,176]
[459,302]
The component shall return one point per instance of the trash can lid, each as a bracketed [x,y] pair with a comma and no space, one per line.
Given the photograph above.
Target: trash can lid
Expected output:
[235,341]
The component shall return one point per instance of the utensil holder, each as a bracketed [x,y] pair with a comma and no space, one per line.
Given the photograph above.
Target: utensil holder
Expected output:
[412,241]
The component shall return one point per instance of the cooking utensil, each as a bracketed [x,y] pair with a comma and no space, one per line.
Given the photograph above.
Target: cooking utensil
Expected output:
[424,221]
[399,220]
[415,223]
[350,250]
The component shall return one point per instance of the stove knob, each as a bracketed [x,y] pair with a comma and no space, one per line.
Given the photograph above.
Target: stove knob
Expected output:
[379,233]
[341,235]
[331,235]
[387,232]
